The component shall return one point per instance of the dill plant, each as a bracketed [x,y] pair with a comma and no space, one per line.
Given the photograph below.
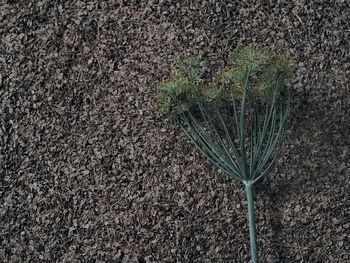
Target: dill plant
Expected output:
[238,120]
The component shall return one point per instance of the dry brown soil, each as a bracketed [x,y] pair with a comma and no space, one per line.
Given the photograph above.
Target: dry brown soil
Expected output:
[90,171]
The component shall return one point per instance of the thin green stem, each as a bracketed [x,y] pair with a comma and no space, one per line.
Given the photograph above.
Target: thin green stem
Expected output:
[251,220]
[241,122]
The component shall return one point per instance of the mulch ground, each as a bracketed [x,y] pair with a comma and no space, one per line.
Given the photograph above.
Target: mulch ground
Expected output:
[90,171]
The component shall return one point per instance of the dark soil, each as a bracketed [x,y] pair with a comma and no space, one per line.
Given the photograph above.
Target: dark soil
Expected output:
[90,171]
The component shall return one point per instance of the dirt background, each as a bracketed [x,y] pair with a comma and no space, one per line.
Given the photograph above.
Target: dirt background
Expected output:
[90,171]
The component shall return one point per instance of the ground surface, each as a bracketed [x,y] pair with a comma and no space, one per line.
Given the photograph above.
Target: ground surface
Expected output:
[90,170]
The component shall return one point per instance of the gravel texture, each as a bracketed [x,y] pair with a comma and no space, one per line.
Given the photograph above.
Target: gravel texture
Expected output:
[90,171]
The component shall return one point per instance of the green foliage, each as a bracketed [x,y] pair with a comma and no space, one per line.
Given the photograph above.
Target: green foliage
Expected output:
[254,86]
[256,66]
[242,114]
[176,95]
[181,92]
[250,56]
[212,94]
[190,66]
[252,73]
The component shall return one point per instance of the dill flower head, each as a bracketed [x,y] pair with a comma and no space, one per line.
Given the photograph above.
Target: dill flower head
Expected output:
[175,95]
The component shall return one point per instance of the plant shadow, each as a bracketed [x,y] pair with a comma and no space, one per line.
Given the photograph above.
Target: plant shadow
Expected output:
[319,146]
